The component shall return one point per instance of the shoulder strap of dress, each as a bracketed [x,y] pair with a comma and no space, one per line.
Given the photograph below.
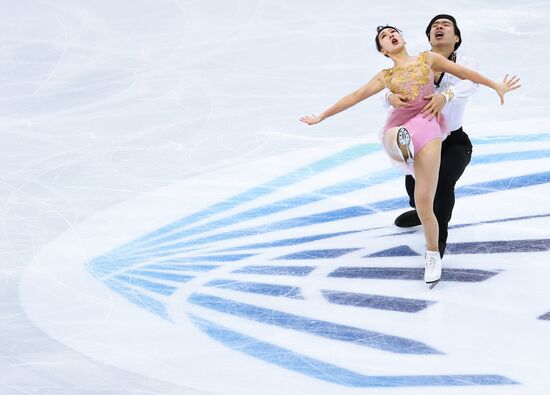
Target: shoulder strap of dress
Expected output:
[423,56]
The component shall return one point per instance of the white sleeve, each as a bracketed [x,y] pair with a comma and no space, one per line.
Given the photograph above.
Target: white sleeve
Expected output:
[463,89]
[386,92]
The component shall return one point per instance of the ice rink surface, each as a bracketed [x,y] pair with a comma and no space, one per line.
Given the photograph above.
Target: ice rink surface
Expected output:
[169,227]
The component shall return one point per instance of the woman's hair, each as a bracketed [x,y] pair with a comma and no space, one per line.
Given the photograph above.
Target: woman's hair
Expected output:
[377,38]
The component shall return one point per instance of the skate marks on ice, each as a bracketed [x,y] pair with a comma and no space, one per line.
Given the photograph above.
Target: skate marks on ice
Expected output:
[301,252]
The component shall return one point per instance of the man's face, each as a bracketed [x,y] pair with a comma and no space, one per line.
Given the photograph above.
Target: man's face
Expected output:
[442,32]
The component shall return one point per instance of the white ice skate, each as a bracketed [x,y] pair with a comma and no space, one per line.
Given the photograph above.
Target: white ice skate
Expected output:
[432,270]
[404,143]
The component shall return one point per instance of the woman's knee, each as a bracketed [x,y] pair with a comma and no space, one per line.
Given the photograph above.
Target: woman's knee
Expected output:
[424,201]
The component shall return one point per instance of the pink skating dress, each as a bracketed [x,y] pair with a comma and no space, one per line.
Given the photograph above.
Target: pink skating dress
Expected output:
[414,81]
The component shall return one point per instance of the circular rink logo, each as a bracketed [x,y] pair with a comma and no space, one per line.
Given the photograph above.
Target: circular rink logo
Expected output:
[286,274]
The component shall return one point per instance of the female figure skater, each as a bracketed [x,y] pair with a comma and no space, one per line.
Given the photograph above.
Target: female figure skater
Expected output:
[410,140]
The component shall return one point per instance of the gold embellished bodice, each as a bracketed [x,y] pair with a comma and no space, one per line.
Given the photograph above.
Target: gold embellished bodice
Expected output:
[408,80]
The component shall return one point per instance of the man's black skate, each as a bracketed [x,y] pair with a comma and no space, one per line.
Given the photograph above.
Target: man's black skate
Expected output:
[407,219]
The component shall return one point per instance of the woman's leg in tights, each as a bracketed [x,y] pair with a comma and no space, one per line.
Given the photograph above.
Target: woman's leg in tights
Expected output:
[426,172]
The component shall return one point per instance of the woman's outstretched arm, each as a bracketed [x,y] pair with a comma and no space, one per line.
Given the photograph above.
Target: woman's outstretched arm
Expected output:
[440,63]
[375,85]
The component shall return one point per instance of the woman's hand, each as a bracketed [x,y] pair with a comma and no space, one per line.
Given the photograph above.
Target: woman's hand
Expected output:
[507,85]
[311,119]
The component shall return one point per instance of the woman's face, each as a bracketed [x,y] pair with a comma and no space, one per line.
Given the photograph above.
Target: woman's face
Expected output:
[390,41]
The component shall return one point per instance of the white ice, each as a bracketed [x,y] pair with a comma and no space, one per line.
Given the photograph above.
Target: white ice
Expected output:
[121,117]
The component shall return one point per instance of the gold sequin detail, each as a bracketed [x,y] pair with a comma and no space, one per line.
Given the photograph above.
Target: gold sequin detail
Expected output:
[409,79]
[449,94]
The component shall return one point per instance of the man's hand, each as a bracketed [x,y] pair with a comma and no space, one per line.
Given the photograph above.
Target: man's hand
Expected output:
[434,107]
[507,85]
[397,100]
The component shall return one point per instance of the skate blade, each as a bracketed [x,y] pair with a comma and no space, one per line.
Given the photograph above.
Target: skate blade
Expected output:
[403,141]
[433,284]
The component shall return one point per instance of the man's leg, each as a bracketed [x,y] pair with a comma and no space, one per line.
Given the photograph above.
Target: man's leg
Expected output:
[409,218]
[453,162]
